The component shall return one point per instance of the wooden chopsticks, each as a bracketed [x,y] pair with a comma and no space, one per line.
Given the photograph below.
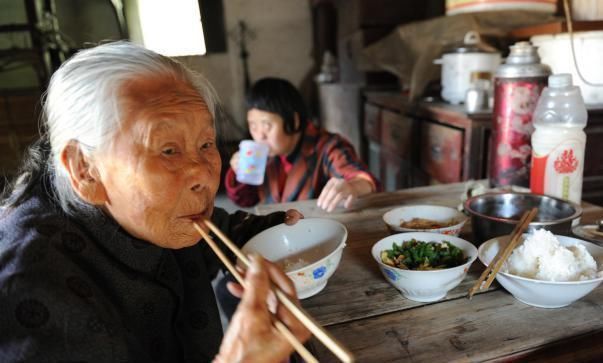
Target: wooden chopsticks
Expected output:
[319,332]
[495,265]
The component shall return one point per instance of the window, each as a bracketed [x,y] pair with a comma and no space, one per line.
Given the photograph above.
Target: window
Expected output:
[171,28]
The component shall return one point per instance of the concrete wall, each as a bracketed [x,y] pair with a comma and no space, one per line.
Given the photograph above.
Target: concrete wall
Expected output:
[281,44]
[80,22]
[281,47]
[13,12]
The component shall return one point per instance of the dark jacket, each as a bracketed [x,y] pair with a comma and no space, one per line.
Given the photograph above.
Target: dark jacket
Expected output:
[82,289]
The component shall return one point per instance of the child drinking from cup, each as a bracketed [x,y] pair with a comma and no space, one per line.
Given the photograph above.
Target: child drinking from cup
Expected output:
[304,162]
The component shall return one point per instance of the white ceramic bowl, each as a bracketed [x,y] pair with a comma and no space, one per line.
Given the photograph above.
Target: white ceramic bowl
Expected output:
[438,213]
[543,294]
[315,243]
[424,286]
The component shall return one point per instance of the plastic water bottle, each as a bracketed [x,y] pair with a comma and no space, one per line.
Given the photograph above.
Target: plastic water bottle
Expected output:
[559,140]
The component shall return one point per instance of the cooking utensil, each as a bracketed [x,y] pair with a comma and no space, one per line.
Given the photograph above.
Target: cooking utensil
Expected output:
[460,62]
[496,214]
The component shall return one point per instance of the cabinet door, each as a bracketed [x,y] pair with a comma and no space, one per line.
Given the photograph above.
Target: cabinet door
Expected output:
[441,152]
[397,134]
[372,122]
[374,159]
[592,189]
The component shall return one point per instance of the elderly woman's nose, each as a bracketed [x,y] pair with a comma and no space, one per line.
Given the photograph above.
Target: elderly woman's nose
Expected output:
[199,168]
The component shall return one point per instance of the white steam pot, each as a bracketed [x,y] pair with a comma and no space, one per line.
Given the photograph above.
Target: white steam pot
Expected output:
[457,69]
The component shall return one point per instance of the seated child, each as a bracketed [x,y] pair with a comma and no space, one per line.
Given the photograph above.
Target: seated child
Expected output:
[305,161]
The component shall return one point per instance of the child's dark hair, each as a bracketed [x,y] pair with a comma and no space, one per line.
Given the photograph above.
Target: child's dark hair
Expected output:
[279,96]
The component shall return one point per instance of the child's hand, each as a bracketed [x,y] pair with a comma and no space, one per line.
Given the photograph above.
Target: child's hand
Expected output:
[234,162]
[292,216]
[339,190]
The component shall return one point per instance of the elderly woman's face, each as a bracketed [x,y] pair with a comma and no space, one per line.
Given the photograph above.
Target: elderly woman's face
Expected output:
[163,170]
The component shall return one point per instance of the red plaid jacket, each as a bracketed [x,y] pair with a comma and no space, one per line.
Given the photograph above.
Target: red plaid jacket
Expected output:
[302,174]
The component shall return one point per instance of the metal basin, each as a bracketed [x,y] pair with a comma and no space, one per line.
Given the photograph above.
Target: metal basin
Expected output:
[494,215]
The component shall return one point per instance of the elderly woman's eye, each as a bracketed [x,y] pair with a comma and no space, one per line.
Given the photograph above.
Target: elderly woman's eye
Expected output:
[169,151]
[207,145]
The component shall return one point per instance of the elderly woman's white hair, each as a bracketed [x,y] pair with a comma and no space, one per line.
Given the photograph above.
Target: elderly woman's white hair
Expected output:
[82,103]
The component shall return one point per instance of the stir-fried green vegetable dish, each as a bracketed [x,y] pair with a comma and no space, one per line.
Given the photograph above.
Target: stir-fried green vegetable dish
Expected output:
[418,255]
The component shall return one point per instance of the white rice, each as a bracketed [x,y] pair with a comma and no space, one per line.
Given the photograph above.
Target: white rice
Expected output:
[290,264]
[542,257]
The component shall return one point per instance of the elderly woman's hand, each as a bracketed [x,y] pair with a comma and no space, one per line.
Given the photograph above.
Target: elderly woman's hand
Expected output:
[337,190]
[292,216]
[251,337]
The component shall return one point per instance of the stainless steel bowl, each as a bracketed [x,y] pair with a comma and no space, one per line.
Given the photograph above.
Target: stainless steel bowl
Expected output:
[494,215]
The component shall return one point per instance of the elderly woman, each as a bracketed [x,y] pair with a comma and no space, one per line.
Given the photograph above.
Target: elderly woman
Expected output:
[99,259]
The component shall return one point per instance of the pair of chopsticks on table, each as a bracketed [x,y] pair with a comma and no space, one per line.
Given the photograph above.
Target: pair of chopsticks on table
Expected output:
[329,341]
[486,278]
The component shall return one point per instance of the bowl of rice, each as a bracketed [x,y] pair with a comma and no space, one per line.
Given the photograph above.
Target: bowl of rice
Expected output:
[425,218]
[547,270]
[308,251]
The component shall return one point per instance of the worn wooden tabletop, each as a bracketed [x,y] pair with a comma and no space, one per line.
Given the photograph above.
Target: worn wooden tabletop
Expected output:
[379,325]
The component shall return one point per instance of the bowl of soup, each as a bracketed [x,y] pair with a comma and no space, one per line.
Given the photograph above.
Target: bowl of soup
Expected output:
[309,251]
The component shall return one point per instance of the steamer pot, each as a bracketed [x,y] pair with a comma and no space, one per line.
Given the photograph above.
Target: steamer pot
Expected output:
[460,63]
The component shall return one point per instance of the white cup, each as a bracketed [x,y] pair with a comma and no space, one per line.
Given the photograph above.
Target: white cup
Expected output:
[252,162]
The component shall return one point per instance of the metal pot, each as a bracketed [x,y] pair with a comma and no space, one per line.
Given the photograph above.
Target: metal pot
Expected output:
[494,215]
[460,63]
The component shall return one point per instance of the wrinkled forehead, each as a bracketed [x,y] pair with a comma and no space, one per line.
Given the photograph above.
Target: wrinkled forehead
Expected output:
[159,96]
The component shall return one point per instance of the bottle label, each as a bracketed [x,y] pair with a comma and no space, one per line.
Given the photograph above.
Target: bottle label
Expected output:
[559,173]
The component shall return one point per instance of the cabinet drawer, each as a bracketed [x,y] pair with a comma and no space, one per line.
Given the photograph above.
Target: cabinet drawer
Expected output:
[396,172]
[372,122]
[441,152]
[396,133]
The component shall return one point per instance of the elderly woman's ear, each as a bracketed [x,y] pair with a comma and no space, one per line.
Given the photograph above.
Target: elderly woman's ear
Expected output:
[84,177]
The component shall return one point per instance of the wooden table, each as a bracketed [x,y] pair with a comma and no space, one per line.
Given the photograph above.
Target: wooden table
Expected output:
[379,325]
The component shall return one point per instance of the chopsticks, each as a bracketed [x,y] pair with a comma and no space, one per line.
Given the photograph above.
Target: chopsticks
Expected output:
[319,332]
[503,253]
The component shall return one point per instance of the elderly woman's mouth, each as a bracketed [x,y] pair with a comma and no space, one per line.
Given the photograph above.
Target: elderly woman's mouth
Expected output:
[197,217]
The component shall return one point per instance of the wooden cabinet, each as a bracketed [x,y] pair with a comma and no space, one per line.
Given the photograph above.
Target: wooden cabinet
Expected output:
[391,138]
[397,133]
[372,122]
[423,144]
[434,142]
[441,152]
[461,139]
[592,189]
